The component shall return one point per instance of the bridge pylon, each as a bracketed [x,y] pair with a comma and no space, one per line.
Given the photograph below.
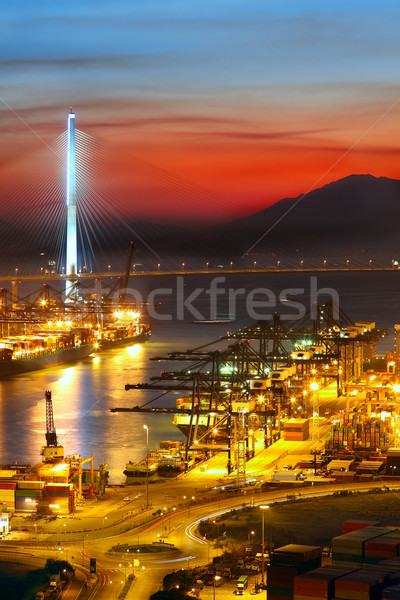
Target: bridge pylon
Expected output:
[71,254]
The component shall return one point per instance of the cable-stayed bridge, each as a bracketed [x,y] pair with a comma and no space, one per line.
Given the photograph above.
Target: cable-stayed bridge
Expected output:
[68,212]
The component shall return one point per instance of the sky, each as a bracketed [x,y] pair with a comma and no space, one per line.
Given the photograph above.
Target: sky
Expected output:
[210,110]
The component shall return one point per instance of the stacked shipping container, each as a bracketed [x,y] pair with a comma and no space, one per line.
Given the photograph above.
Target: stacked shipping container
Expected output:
[319,583]
[349,526]
[356,430]
[287,562]
[349,549]
[296,430]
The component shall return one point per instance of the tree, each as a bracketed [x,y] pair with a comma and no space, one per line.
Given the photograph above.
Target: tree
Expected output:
[58,566]
[174,594]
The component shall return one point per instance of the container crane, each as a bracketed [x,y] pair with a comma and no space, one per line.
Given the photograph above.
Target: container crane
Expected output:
[124,282]
[52,452]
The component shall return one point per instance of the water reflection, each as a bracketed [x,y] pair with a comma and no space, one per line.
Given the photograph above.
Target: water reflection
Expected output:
[83,393]
[82,396]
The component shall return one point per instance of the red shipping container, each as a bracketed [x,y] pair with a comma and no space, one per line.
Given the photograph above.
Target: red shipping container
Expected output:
[8,486]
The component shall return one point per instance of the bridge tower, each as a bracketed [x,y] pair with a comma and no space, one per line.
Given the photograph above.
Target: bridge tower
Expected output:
[71,260]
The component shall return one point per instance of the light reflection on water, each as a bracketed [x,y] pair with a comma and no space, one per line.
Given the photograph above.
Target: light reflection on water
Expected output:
[82,396]
[84,392]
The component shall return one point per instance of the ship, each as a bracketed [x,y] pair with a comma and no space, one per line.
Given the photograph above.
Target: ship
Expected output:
[167,461]
[141,468]
[170,458]
[43,349]
[112,337]
[126,330]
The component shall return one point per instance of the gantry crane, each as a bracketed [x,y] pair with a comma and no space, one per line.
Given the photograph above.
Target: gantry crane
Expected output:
[222,383]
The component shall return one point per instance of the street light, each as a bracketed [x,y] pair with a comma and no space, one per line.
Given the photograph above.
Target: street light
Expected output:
[124,565]
[315,408]
[147,465]
[116,587]
[263,509]
[83,550]
[216,578]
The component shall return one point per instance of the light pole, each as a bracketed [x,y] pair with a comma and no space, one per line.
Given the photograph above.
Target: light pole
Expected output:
[124,565]
[216,578]
[116,588]
[147,465]
[83,550]
[315,408]
[263,509]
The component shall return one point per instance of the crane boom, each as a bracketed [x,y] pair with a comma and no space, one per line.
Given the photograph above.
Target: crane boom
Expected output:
[125,280]
[52,451]
[51,435]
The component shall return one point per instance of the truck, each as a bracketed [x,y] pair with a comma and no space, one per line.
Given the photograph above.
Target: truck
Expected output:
[242,584]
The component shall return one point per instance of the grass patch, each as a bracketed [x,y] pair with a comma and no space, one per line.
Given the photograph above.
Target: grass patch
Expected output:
[314,521]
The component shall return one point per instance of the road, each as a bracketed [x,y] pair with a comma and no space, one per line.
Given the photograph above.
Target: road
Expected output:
[176,507]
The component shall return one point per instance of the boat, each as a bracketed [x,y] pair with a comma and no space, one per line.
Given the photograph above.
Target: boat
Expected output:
[43,349]
[112,337]
[141,468]
[170,458]
[126,330]
[213,321]
[218,319]
[167,461]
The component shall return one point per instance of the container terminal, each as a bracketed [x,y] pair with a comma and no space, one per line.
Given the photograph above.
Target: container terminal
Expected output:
[313,391]
[317,380]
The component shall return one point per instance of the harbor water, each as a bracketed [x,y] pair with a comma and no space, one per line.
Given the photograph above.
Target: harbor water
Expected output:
[83,393]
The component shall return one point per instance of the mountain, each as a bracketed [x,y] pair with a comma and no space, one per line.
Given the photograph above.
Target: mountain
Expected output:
[359,214]
[356,214]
